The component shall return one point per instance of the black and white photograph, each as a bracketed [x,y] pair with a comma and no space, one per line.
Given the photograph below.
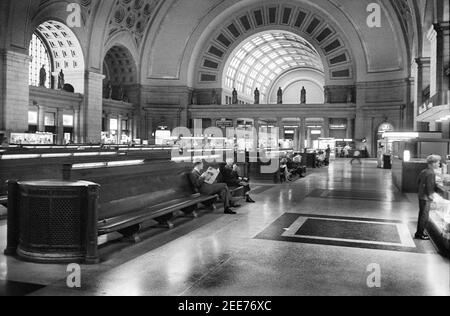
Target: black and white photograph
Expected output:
[224,155]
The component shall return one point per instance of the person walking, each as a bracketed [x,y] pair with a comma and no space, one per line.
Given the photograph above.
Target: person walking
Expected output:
[427,194]
[356,156]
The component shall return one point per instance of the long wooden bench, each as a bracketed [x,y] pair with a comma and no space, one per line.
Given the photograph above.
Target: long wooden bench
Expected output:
[133,195]
[38,164]
[4,201]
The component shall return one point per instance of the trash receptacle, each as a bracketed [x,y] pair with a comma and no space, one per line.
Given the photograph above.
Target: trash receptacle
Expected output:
[387,162]
[52,221]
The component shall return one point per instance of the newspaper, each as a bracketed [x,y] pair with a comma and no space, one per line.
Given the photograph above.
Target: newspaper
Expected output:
[211,175]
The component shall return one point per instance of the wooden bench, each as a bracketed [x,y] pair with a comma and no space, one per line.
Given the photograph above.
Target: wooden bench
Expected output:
[133,195]
[4,201]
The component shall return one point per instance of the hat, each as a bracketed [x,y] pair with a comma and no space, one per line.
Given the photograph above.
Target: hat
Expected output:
[433,159]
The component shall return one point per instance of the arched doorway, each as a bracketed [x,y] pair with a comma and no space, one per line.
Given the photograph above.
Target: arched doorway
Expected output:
[383,147]
[119,90]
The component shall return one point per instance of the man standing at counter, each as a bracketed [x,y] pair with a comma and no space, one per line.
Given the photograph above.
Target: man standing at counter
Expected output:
[427,192]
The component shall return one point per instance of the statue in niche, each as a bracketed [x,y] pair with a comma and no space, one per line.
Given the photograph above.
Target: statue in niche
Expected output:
[109,90]
[280,96]
[303,96]
[121,93]
[350,95]
[214,99]
[257,96]
[194,99]
[42,77]
[61,81]
[235,97]
[327,95]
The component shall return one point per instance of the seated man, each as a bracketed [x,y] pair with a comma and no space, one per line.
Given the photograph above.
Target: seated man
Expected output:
[296,168]
[198,181]
[284,170]
[230,176]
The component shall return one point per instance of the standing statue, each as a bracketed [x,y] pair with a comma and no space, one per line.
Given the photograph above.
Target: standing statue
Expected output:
[109,90]
[235,97]
[257,96]
[303,96]
[42,77]
[121,93]
[194,99]
[61,80]
[280,96]
[214,97]
[350,95]
[327,95]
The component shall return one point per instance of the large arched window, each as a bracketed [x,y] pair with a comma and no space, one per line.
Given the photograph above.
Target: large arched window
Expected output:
[39,57]
[55,46]
[259,61]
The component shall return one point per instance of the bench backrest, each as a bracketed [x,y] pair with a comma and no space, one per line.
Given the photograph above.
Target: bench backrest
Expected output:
[129,188]
[52,167]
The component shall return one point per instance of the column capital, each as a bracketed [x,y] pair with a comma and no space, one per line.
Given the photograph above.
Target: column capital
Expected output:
[422,61]
[16,56]
[94,75]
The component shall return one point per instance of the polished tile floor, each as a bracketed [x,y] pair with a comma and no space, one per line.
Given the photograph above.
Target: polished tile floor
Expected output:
[317,236]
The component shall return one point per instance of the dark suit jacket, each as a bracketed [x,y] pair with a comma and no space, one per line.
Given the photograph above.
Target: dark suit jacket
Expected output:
[196,179]
[230,177]
[427,184]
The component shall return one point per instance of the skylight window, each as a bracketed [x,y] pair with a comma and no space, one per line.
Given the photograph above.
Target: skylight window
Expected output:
[260,61]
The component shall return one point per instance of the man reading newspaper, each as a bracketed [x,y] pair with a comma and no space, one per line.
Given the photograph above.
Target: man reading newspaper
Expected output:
[205,184]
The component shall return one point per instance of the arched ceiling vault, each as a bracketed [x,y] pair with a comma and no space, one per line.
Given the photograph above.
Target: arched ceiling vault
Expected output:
[263,58]
[367,49]
[336,28]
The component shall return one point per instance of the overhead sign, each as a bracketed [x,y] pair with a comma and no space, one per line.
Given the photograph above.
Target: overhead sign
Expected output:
[224,123]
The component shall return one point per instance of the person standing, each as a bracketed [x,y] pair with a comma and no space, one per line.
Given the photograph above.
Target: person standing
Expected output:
[328,155]
[198,181]
[356,156]
[427,192]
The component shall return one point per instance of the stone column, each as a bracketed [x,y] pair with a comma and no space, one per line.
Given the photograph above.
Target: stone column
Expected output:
[256,134]
[41,118]
[76,126]
[131,127]
[297,139]
[280,128]
[445,130]
[59,127]
[439,36]
[119,129]
[350,134]
[326,128]
[308,137]
[421,69]
[136,120]
[302,131]
[14,91]
[92,108]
